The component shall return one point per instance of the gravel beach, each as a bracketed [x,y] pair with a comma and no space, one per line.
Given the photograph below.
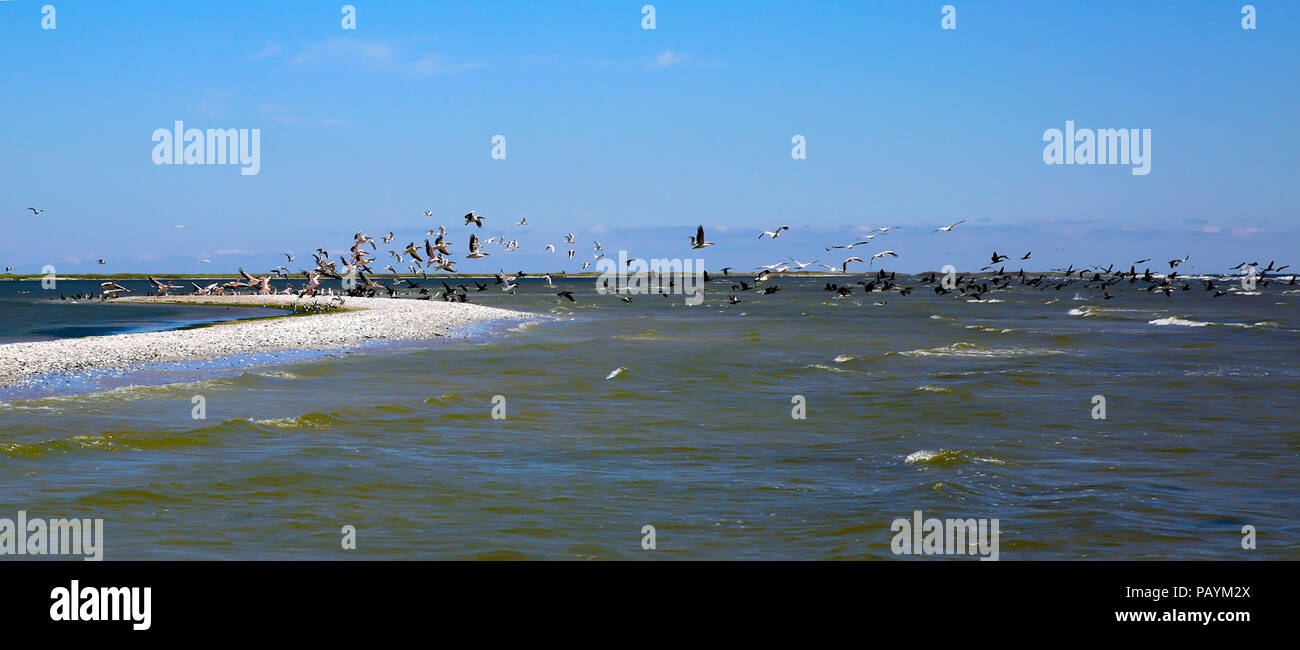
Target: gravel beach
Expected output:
[356,321]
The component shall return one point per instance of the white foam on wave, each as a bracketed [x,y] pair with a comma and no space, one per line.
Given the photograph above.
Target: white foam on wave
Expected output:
[933,388]
[1173,320]
[964,349]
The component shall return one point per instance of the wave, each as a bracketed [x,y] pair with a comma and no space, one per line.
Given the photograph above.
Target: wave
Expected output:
[941,457]
[1185,322]
[1173,320]
[965,349]
[933,388]
[820,366]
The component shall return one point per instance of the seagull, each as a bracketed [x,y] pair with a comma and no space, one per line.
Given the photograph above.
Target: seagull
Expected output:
[949,227]
[882,254]
[773,233]
[698,240]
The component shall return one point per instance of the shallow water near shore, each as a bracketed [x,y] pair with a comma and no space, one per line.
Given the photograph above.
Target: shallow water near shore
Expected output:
[926,402]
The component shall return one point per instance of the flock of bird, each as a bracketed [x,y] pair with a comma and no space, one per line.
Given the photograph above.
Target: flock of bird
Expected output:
[358,277]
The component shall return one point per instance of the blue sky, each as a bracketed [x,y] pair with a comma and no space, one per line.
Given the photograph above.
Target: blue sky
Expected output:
[633,136]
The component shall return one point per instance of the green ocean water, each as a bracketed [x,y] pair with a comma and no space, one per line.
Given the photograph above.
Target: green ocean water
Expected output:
[925,402]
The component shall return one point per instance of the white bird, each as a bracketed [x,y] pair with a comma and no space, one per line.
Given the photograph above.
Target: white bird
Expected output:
[698,241]
[550,248]
[290,256]
[428,213]
[474,252]
[774,233]
[568,239]
[802,265]
[523,222]
[844,268]
[35,211]
[882,254]
[949,228]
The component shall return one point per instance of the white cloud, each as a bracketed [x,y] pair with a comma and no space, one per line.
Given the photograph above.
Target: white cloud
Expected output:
[669,57]
[268,50]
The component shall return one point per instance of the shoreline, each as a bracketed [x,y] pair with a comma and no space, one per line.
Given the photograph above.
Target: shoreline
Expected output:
[358,320]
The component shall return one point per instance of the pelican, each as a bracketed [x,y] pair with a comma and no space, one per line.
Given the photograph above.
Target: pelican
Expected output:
[523,222]
[949,227]
[773,233]
[35,211]
[844,267]
[550,248]
[698,240]
[290,256]
[428,213]
[474,252]
[470,217]
[568,239]
[882,254]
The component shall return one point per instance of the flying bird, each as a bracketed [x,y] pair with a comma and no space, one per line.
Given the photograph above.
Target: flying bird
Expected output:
[949,228]
[698,241]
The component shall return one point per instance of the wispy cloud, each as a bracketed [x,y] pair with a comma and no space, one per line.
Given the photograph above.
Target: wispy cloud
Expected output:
[288,116]
[382,56]
[669,57]
[268,50]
